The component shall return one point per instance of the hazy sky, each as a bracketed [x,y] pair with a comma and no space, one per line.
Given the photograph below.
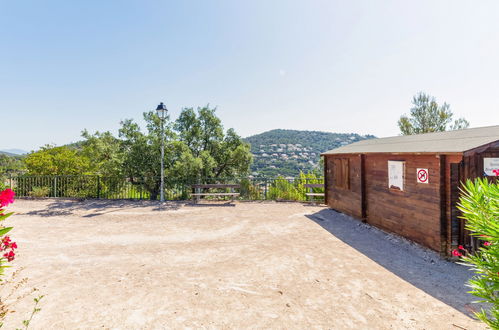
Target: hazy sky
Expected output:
[338,66]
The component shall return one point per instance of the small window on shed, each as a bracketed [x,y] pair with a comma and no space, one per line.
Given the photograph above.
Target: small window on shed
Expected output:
[396,174]
[341,173]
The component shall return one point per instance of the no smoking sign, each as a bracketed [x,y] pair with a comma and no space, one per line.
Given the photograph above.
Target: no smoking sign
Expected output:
[423,176]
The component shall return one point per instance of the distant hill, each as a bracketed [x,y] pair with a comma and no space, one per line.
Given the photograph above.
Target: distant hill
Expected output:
[13,152]
[287,152]
[7,153]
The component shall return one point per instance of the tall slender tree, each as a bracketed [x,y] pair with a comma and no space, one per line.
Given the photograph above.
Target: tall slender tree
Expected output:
[428,116]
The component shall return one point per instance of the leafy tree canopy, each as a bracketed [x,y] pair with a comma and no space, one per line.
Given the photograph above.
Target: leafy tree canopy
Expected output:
[427,116]
[50,160]
[105,152]
[11,164]
[196,147]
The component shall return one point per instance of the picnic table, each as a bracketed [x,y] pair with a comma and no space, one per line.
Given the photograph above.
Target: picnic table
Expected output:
[200,190]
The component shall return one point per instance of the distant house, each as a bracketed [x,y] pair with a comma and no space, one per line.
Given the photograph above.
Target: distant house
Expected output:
[409,185]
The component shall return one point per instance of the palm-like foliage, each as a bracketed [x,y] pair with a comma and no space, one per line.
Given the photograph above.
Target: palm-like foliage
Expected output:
[479,204]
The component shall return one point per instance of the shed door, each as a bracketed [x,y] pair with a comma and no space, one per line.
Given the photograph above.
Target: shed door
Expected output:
[460,236]
[457,225]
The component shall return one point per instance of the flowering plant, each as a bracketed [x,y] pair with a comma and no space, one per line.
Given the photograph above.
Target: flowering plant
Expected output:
[7,246]
[479,204]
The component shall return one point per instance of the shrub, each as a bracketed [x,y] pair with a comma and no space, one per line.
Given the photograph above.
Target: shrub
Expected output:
[40,192]
[479,203]
[7,247]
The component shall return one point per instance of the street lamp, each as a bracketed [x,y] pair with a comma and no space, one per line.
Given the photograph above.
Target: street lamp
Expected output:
[161,111]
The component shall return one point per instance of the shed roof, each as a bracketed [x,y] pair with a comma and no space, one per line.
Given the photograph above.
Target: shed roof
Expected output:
[439,142]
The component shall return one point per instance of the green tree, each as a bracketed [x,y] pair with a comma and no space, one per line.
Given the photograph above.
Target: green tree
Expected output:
[141,150]
[50,160]
[11,164]
[196,147]
[217,154]
[428,116]
[105,151]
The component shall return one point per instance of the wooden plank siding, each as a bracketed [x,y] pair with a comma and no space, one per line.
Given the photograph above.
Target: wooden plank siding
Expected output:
[346,200]
[419,212]
[470,169]
[424,213]
[414,212]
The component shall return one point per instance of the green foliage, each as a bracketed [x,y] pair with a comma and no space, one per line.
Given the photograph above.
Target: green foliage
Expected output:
[40,192]
[427,116]
[36,309]
[50,160]
[251,190]
[293,190]
[104,151]
[217,154]
[479,204]
[11,164]
[196,146]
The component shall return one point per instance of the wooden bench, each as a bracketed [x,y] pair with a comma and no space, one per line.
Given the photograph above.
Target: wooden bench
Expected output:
[198,190]
[311,195]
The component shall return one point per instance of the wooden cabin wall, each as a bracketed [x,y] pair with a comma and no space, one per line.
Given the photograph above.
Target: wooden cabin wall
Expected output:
[473,161]
[472,168]
[346,200]
[414,213]
[424,213]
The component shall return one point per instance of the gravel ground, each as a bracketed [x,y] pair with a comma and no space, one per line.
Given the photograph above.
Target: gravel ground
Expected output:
[139,265]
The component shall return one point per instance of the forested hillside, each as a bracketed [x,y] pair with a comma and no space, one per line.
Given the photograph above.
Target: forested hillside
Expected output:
[287,152]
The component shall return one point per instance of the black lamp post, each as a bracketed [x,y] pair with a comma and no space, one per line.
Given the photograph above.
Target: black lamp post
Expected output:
[161,111]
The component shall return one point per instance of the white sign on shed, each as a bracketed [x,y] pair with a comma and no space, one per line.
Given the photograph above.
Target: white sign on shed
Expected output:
[396,174]
[491,166]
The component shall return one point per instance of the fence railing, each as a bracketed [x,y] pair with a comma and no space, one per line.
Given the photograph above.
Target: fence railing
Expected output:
[94,186]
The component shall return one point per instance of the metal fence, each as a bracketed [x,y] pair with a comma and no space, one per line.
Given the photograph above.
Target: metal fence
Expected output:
[94,186]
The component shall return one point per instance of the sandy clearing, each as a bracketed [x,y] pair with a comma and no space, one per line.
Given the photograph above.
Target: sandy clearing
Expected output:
[133,265]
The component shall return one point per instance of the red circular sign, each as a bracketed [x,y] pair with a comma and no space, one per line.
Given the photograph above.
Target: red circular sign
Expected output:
[422,175]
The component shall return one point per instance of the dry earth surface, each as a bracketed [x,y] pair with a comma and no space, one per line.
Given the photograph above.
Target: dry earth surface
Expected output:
[136,265]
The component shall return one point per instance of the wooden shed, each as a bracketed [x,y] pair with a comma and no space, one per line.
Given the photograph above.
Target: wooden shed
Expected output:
[409,185]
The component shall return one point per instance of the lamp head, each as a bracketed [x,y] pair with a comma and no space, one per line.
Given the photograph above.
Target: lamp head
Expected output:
[161,110]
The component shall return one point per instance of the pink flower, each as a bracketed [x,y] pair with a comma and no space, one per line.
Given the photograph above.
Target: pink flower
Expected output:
[10,256]
[13,245]
[6,197]
[487,244]
[460,247]
[456,253]
[496,172]
[6,240]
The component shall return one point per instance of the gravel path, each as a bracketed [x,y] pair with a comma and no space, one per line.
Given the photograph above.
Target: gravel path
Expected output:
[135,265]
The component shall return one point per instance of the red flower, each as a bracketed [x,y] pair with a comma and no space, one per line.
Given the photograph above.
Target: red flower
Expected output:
[10,256]
[487,244]
[496,172]
[460,247]
[456,253]
[6,197]
[6,240]
[13,245]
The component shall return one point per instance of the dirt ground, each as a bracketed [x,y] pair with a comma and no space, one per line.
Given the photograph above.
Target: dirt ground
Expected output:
[135,265]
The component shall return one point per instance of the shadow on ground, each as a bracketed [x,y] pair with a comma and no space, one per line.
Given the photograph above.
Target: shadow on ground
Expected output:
[423,268]
[98,207]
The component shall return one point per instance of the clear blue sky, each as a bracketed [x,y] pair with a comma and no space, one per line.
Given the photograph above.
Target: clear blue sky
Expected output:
[338,66]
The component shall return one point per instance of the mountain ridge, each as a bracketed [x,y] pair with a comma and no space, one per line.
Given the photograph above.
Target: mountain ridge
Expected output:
[286,152]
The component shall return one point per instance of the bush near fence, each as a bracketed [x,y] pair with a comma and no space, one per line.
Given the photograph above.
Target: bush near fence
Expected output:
[93,186]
